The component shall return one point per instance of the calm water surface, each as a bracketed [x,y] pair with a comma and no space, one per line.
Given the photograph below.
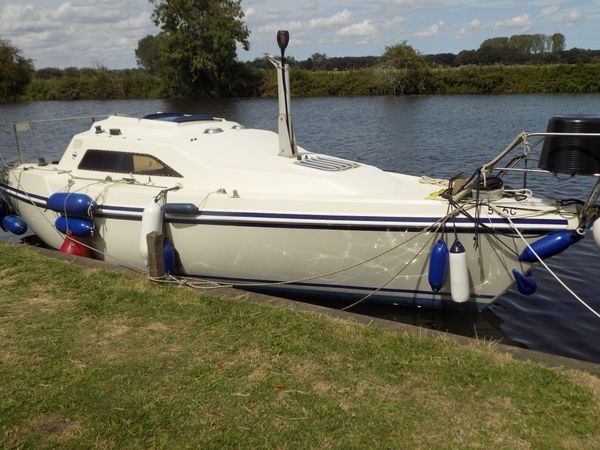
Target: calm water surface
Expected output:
[437,136]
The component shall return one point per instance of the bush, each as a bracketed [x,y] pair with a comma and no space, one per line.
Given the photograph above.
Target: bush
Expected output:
[15,71]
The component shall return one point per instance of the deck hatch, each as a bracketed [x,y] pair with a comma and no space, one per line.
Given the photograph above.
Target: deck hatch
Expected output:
[328,164]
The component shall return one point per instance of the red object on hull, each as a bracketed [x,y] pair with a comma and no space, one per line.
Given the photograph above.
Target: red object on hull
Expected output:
[71,246]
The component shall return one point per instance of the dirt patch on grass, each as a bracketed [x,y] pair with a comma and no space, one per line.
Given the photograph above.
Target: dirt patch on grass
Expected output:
[322,387]
[141,284]
[11,438]
[489,350]
[259,373]
[577,443]
[105,339]
[7,282]
[7,356]
[89,270]
[7,277]
[113,330]
[42,301]
[588,382]
[156,326]
[54,428]
[260,364]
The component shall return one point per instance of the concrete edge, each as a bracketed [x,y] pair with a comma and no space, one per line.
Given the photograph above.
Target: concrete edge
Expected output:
[518,353]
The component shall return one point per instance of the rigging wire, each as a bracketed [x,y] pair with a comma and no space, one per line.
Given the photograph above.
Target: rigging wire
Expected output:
[569,290]
[208,284]
[436,224]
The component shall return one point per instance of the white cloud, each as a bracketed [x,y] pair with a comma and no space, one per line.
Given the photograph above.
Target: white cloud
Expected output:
[416,3]
[475,24]
[430,31]
[81,33]
[364,28]
[300,27]
[294,25]
[549,10]
[339,19]
[394,23]
[90,12]
[523,21]
[16,19]
[573,17]
[474,27]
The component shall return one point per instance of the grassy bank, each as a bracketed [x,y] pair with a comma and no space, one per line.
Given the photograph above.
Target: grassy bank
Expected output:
[90,358]
[93,84]
[86,84]
[525,79]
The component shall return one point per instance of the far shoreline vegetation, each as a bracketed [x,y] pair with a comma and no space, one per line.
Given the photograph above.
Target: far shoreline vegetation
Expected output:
[182,62]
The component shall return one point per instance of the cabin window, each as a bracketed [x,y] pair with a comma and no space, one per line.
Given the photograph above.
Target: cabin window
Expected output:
[125,162]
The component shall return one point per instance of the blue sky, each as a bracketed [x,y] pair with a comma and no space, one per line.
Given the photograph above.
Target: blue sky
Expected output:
[61,33]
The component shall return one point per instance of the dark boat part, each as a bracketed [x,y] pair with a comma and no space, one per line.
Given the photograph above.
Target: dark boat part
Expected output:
[572,155]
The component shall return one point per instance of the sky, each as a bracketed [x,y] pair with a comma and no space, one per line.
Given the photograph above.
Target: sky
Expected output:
[90,33]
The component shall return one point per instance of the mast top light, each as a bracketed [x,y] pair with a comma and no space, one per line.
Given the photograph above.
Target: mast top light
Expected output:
[283,38]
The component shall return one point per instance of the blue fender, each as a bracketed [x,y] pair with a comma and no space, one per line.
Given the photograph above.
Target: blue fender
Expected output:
[549,245]
[169,258]
[71,204]
[438,265]
[14,224]
[525,283]
[77,227]
[188,209]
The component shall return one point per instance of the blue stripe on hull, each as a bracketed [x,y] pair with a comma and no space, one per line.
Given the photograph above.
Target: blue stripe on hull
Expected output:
[426,299]
[367,289]
[104,212]
[332,292]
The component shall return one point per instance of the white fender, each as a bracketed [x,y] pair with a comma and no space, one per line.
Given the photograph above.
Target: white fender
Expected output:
[152,220]
[459,273]
[596,231]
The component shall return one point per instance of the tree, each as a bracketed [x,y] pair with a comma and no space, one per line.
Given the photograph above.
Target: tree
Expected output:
[406,69]
[149,53]
[441,59]
[538,43]
[495,43]
[317,61]
[198,45]
[521,43]
[15,71]
[403,56]
[48,73]
[558,42]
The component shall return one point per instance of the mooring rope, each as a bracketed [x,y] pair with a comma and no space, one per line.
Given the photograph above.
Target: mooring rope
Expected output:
[203,284]
[100,252]
[210,284]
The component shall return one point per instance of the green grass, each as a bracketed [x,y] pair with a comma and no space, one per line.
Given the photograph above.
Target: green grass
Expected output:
[90,358]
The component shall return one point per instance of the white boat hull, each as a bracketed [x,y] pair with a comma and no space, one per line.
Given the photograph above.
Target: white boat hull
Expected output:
[270,216]
[347,256]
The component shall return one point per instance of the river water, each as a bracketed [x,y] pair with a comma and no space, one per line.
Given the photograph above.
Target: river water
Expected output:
[437,136]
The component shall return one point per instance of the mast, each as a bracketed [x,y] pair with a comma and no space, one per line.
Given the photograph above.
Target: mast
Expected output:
[287,137]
